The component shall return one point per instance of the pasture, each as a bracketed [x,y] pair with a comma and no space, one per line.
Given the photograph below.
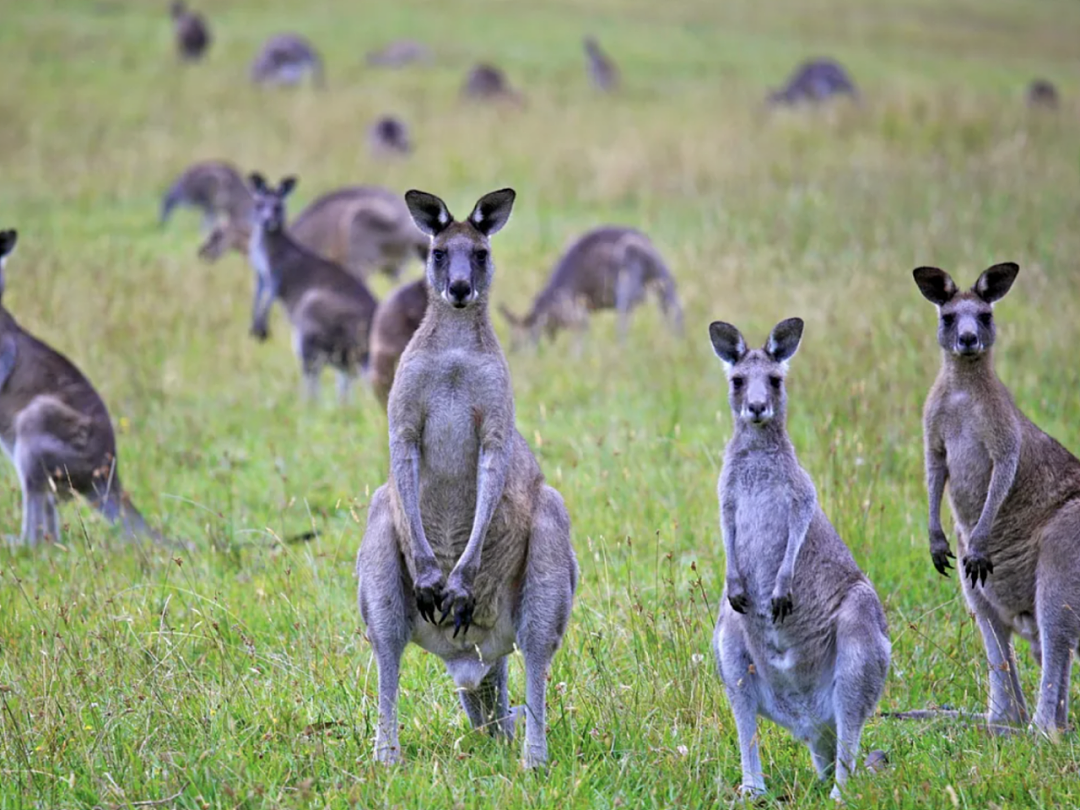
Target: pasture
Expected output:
[236,674]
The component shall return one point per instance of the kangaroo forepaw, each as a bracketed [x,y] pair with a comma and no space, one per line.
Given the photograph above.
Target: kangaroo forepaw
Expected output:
[940,553]
[429,594]
[739,602]
[461,603]
[977,567]
[781,608]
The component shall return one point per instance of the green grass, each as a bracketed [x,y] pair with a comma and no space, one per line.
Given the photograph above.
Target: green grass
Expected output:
[238,675]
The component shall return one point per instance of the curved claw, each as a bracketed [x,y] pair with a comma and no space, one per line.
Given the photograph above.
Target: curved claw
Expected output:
[428,601]
[781,608]
[463,618]
[941,561]
[739,602]
[977,568]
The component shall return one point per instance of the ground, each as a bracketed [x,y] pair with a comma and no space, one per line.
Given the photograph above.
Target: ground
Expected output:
[237,674]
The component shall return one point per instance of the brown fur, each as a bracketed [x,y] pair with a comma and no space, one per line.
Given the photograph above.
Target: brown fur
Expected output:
[396,320]
[213,187]
[486,82]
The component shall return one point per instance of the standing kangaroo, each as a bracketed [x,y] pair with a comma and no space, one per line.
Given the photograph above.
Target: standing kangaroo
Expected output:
[215,188]
[465,527]
[801,637]
[192,33]
[1014,493]
[330,310]
[396,320]
[602,70]
[56,430]
[607,268]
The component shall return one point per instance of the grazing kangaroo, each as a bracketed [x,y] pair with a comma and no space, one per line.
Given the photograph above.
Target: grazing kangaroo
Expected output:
[399,53]
[192,32]
[285,59]
[396,320]
[1014,494]
[607,268]
[330,311]
[815,81]
[602,70]
[488,83]
[466,527]
[215,188]
[1042,93]
[56,430]
[389,136]
[801,637]
[362,228]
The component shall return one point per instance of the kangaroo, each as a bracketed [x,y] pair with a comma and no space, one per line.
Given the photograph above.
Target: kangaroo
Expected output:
[389,136]
[486,82]
[606,268]
[1042,93]
[192,32]
[1014,494]
[285,59]
[396,320]
[56,430]
[815,81]
[602,70]
[330,311]
[399,53]
[361,228]
[801,637]
[215,188]
[465,527]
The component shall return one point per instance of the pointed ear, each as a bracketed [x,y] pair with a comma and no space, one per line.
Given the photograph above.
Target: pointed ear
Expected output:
[257,182]
[492,211]
[784,340]
[727,342]
[287,186]
[7,242]
[428,212]
[996,281]
[936,285]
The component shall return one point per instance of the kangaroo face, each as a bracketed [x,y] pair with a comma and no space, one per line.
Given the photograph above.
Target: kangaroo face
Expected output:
[756,389]
[459,267]
[966,319]
[268,209]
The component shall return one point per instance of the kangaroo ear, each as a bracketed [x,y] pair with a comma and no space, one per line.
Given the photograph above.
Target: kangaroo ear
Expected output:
[727,342]
[257,181]
[996,281]
[287,186]
[936,285]
[7,242]
[428,212]
[492,211]
[784,340]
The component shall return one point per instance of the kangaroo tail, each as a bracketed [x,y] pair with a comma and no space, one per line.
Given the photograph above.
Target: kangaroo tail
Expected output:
[173,197]
[117,508]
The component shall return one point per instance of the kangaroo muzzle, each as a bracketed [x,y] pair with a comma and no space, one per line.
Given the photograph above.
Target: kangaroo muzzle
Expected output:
[459,292]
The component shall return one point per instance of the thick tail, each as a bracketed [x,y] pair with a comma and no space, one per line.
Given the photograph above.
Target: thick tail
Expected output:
[117,508]
[173,197]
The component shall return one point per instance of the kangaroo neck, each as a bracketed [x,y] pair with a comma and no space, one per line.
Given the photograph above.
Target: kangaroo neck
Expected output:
[968,372]
[458,328]
[768,438]
[266,249]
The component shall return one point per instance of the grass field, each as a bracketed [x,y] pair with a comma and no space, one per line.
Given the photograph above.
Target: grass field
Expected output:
[237,675]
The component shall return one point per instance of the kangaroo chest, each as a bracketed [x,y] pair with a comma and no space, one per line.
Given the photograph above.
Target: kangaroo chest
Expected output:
[762,519]
[966,457]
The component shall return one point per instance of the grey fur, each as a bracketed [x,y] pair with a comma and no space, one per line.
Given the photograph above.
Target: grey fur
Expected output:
[606,268]
[215,188]
[466,527]
[815,81]
[285,59]
[396,320]
[330,311]
[801,637]
[1042,93]
[191,32]
[56,430]
[602,69]
[1014,493]
[485,82]
[389,136]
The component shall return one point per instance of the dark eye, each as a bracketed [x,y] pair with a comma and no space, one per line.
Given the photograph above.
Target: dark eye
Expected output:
[985,318]
[480,256]
[439,256]
[776,382]
[737,383]
[948,319]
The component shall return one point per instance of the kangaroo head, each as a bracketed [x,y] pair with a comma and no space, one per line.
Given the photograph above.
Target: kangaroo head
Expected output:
[756,376]
[966,319]
[269,204]
[459,266]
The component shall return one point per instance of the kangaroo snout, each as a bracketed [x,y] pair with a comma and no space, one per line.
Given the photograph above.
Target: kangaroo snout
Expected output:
[967,342]
[759,411]
[459,292]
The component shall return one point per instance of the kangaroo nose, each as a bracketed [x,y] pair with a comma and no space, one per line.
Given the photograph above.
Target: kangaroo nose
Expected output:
[459,291]
[968,340]
[757,409]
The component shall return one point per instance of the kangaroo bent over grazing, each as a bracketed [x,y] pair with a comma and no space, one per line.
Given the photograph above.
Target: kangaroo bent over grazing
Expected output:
[56,430]
[801,637]
[1015,497]
[466,527]
[215,188]
[284,59]
[607,268]
[330,310]
[815,81]
[389,136]
[488,83]
[1042,93]
[396,320]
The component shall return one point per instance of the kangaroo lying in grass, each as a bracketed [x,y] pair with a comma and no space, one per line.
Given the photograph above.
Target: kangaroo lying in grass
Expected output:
[466,528]
[607,268]
[216,189]
[1014,493]
[801,637]
[56,430]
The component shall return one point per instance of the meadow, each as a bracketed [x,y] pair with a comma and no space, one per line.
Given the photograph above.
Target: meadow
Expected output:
[237,675]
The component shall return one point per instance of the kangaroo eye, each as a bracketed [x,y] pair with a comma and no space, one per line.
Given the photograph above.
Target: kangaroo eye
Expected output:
[439,256]
[776,382]
[737,383]
[480,256]
[948,319]
[985,318]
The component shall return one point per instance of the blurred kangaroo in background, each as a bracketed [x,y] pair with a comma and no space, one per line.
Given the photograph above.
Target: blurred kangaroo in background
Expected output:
[286,59]
[191,30]
[389,136]
[215,188]
[396,320]
[801,637]
[399,53]
[815,81]
[330,311]
[486,82]
[602,70]
[610,267]
[1042,93]
[56,430]
[1014,494]
[361,228]
[465,527]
